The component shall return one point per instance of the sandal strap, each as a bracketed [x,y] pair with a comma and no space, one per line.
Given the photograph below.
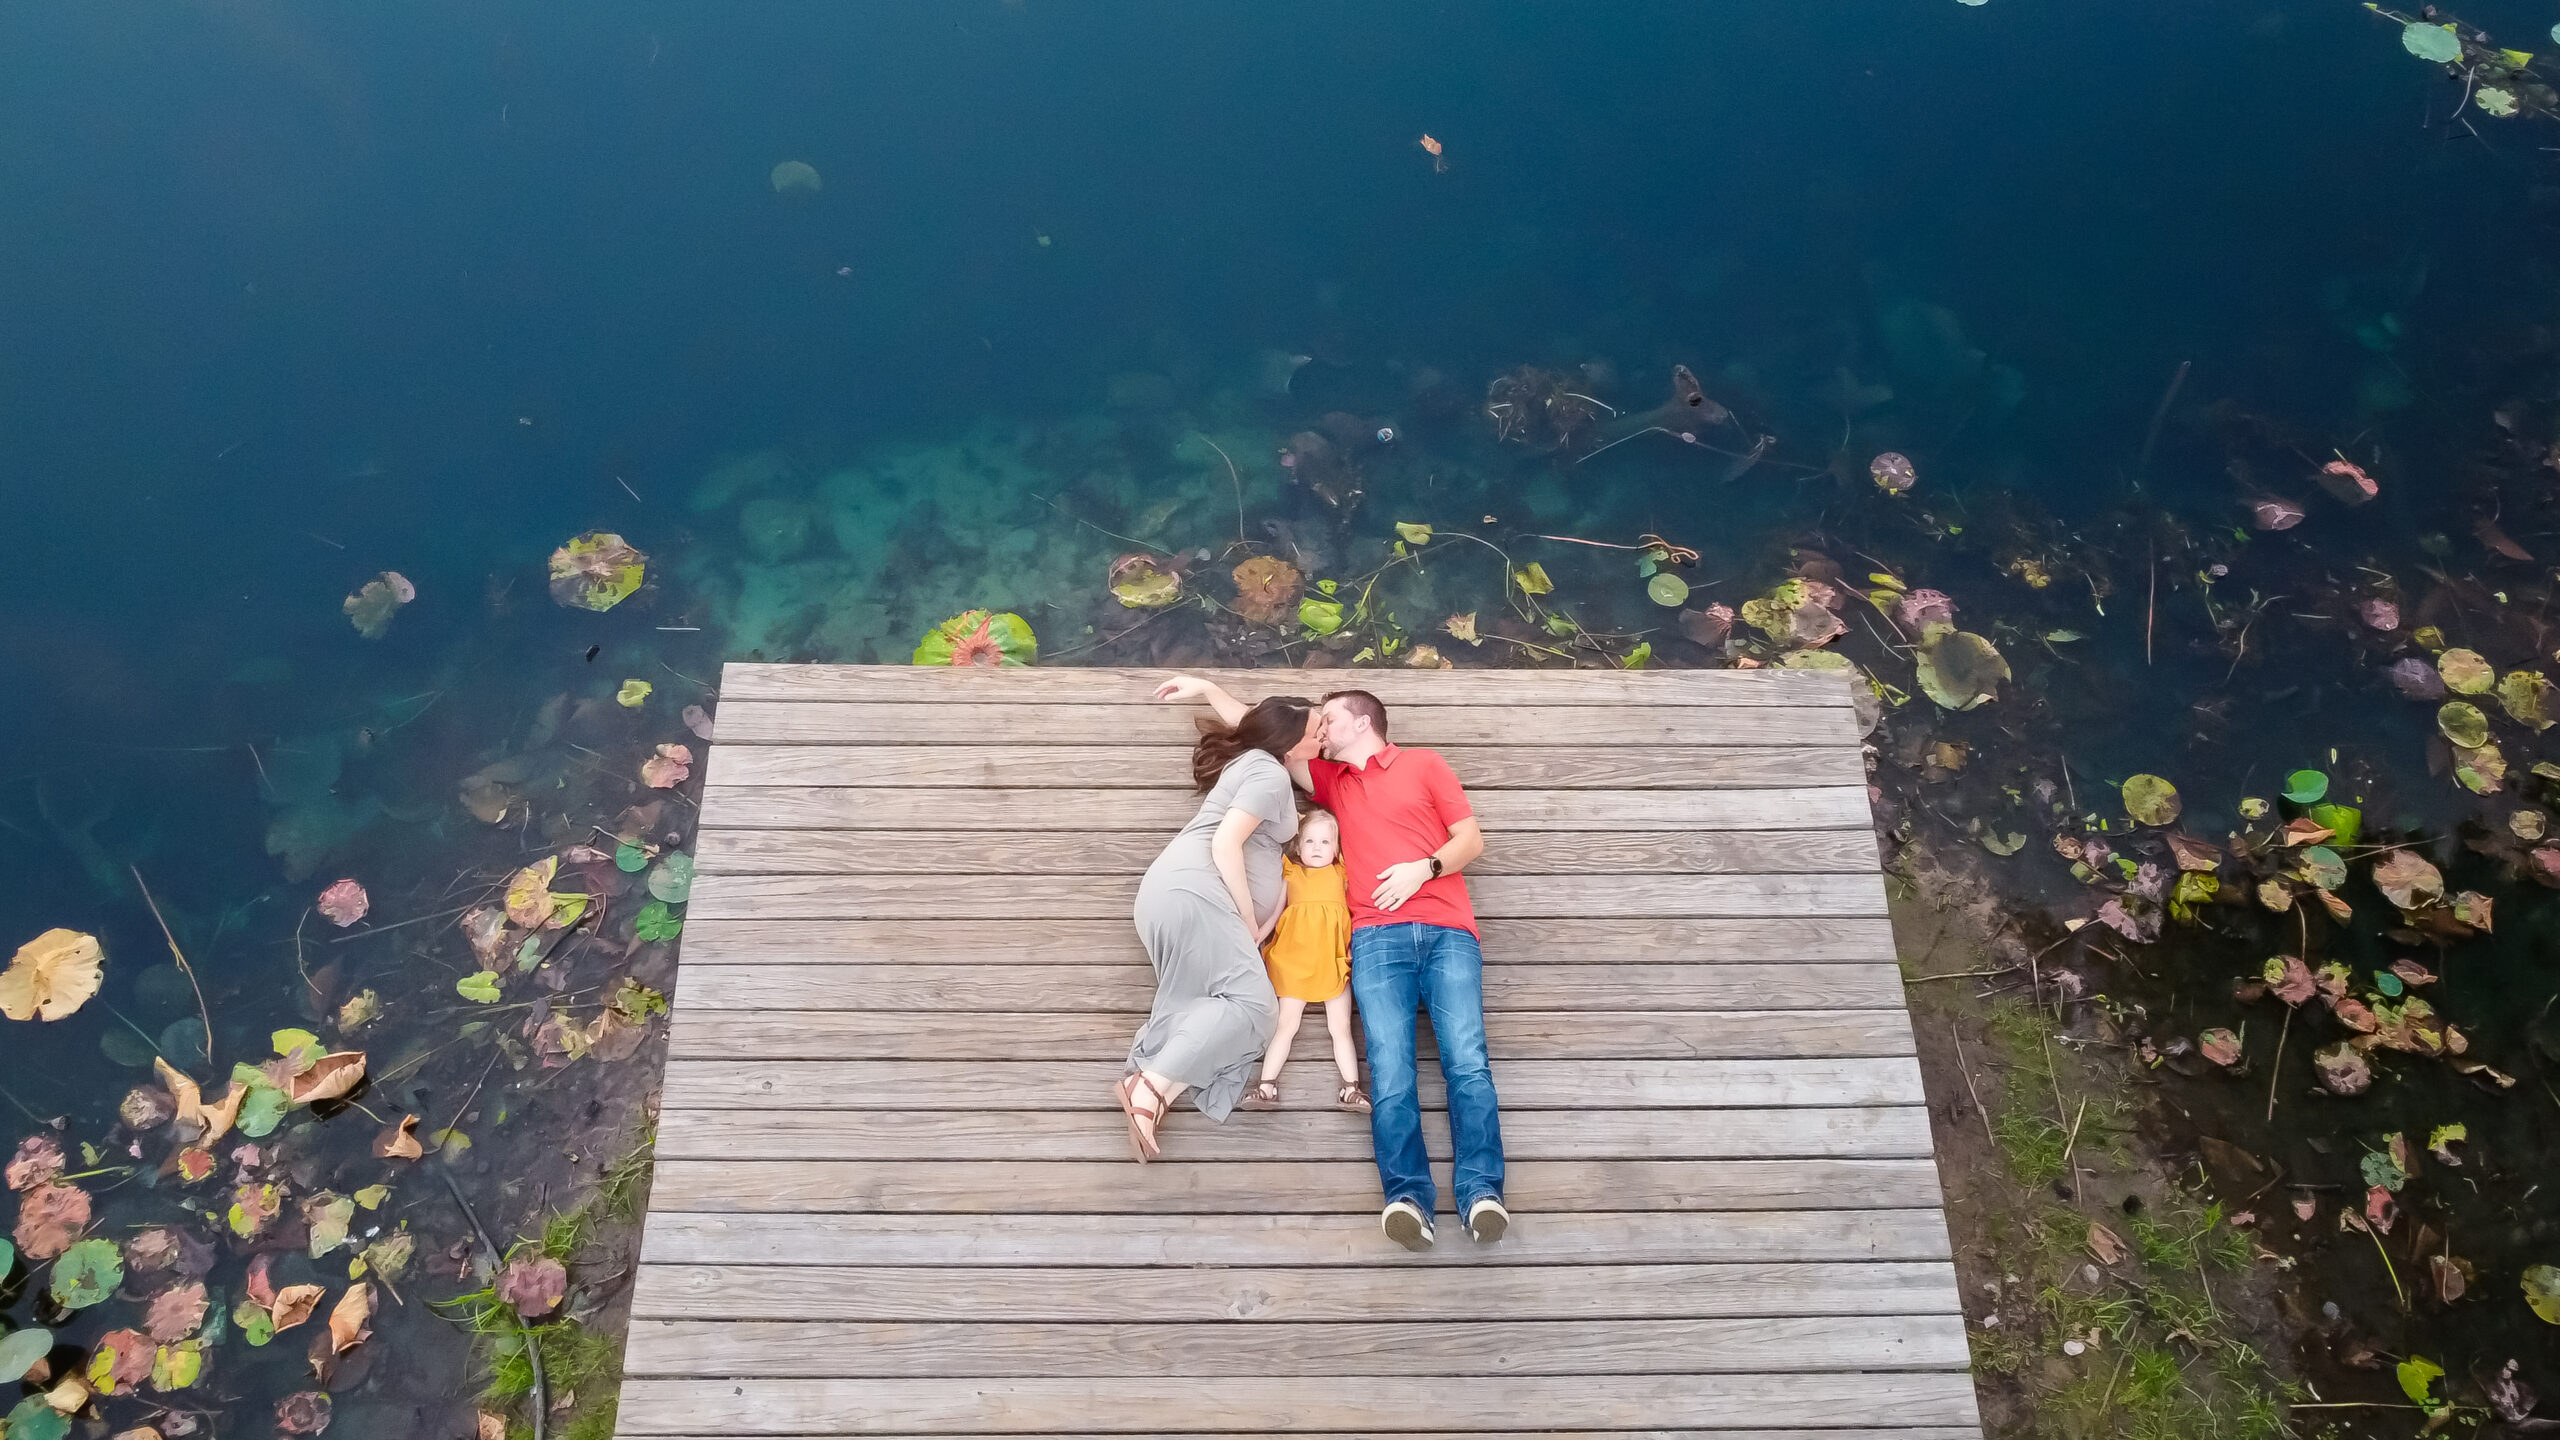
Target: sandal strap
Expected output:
[1163,1102]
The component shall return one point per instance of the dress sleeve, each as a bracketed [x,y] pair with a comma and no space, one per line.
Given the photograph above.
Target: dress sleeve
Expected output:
[1448,797]
[1263,788]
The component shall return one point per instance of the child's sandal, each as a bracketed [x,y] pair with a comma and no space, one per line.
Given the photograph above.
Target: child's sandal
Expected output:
[1352,1098]
[1265,1096]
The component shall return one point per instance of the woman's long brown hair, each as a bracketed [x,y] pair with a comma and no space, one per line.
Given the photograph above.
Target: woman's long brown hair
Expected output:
[1275,726]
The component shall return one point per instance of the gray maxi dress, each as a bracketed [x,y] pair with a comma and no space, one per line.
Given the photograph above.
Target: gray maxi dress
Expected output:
[1214,1012]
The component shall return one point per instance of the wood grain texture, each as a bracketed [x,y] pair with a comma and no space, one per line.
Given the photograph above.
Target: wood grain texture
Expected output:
[1161,812]
[703,1034]
[1041,722]
[1263,1238]
[1168,766]
[1918,1432]
[1573,1085]
[1111,685]
[1130,989]
[1350,1187]
[1120,853]
[971,943]
[1100,897]
[760,1349]
[1293,1405]
[1317,1132]
[1427,1293]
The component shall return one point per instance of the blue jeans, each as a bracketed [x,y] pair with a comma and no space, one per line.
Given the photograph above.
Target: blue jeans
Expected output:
[1396,972]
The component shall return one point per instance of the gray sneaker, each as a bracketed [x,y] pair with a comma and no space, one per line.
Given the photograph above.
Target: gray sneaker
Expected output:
[1487,1221]
[1406,1225]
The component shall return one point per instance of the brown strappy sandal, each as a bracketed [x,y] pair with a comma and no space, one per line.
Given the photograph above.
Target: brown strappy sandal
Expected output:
[1352,1098]
[1142,1136]
[1263,1096]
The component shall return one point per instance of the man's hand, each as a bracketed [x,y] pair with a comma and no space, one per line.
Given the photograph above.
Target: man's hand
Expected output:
[1397,883]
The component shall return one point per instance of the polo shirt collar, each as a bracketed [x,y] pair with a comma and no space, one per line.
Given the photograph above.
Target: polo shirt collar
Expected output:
[1385,760]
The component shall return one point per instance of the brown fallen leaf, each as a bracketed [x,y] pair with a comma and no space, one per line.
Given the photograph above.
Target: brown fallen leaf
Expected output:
[176,1312]
[2449,1280]
[1462,628]
[400,1142]
[2306,832]
[492,1427]
[305,1412]
[219,1118]
[190,1099]
[39,1159]
[2305,1206]
[2219,1046]
[330,1077]
[2194,854]
[2500,541]
[294,1304]
[534,1284]
[50,1217]
[347,1319]
[128,1355]
[2105,1244]
[52,975]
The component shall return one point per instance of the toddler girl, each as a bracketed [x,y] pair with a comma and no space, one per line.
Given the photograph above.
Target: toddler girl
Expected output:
[1310,960]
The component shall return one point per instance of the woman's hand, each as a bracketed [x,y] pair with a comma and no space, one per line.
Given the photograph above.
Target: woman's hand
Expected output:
[1226,849]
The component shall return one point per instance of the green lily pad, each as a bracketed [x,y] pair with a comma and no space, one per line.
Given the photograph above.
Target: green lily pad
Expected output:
[2528,697]
[8,1259]
[2466,672]
[1320,617]
[36,1419]
[1960,669]
[672,881]
[2418,1374]
[2323,867]
[2495,100]
[596,571]
[87,1273]
[2437,43]
[482,987]
[2388,983]
[2542,1291]
[2463,724]
[1667,589]
[20,1349]
[2344,823]
[261,1110]
[630,859]
[978,637]
[2302,787]
[1999,844]
[2151,800]
[656,922]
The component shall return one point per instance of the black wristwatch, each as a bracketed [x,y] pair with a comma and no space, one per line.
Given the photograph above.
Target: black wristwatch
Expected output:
[1435,866]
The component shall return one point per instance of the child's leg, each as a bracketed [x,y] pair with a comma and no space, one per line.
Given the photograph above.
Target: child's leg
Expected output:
[1337,1019]
[1292,1012]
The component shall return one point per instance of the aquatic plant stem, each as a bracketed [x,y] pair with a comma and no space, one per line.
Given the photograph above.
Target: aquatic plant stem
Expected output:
[541,1406]
[1967,1072]
[1232,476]
[184,968]
[2151,437]
[397,924]
[2150,606]
[2275,1067]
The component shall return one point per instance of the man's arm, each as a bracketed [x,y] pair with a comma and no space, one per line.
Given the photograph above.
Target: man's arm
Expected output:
[1192,687]
[1397,883]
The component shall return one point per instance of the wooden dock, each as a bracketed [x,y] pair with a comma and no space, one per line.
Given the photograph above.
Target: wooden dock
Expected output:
[893,1197]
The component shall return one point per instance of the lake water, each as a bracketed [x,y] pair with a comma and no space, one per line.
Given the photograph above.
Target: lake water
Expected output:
[854,319]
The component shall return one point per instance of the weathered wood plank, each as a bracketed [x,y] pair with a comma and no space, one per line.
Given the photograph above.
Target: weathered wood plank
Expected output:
[1161,812]
[1512,1034]
[1130,852]
[755,1349]
[1130,989]
[1317,1132]
[1067,1187]
[1096,897]
[1920,1432]
[1503,722]
[967,943]
[1168,767]
[685,1237]
[1574,1085]
[1454,1292]
[1107,685]
[1273,1405]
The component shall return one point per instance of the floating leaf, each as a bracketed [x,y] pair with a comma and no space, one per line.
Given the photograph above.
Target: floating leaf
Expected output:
[121,1361]
[2473,909]
[262,1108]
[672,881]
[1960,670]
[2542,1291]
[1142,582]
[400,1141]
[2342,1069]
[36,1419]
[86,1273]
[1999,844]
[656,922]
[2219,1046]
[370,609]
[2463,724]
[2442,1139]
[20,1350]
[254,1323]
[1320,617]
[176,1367]
[2415,679]
[1413,534]
[2437,43]
[2289,980]
[2495,100]
[1893,473]
[2465,672]
[633,694]
[1707,627]
[327,1216]
[343,903]
[978,637]
[2528,698]
[1532,579]
[52,976]
[1666,588]
[349,1319]
[2347,483]
[630,859]
[2406,879]
[2382,1172]
[1461,628]
[331,1077]
[2418,1374]
[596,571]
[671,766]
[529,898]
[2151,800]
[2480,771]
[372,1196]
[788,177]
[698,720]
[534,1285]
[176,1312]
[2343,822]
[1267,590]
[481,986]
[2302,787]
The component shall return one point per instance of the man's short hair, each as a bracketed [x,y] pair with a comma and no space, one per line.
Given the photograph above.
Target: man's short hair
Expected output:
[1361,702]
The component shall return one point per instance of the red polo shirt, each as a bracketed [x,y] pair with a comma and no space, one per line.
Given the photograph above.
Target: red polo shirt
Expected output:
[1396,808]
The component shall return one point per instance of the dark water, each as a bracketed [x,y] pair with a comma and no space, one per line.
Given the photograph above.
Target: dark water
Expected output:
[294,294]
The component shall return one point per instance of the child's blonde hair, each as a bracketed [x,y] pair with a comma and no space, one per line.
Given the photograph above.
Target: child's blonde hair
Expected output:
[1315,812]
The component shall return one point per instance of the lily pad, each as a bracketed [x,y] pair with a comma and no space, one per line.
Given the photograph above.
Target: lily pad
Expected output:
[2495,100]
[1142,582]
[2542,1291]
[21,1349]
[2529,698]
[978,637]
[2151,800]
[656,922]
[481,987]
[2466,672]
[630,859]
[2323,867]
[86,1273]
[2343,822]
[2302,787]
[596,571]
[633,694]
[370,609]
[672,881]
[1320,617]
[1532,579]
[2406,879]
[1267,589]
[798,175]
[2437,43]
[1666,588]
[52,976]
[2463,724]
[36,1419]
[1961,670]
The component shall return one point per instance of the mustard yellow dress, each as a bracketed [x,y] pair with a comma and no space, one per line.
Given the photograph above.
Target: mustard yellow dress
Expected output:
[1310,951]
